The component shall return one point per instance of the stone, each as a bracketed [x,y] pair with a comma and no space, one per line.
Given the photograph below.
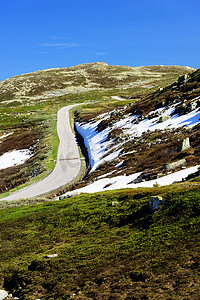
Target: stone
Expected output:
[3,294]
[154,202]
[185,144]
[175,164]
[115,203]
[163,119]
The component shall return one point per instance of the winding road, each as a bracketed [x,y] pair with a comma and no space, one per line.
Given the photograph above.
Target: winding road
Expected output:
[67,166]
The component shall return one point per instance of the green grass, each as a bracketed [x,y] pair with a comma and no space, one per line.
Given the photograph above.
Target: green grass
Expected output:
[104,251]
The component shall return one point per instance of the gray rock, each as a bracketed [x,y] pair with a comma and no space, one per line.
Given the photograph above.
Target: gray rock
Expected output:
[185,144]
[154,202]
[115,203]
[3,294]
[163,119]
[175,164]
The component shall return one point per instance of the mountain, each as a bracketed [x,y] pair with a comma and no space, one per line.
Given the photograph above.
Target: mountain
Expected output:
[86,77]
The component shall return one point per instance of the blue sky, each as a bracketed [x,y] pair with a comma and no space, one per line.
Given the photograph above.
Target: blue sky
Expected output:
[41,34]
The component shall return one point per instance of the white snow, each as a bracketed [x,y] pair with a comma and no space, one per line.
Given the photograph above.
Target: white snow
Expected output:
[191,119]
[15,157]
[117,98]
[122,182]
[119,164]
[5,135]
[105,175]
[96,143]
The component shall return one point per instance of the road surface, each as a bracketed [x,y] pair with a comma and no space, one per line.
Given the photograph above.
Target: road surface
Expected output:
[67,166]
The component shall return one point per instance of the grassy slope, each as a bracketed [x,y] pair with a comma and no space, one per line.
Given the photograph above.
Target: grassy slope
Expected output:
[105,251]
[87,77]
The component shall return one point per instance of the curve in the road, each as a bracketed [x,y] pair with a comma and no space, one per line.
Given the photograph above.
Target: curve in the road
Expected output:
[67,166]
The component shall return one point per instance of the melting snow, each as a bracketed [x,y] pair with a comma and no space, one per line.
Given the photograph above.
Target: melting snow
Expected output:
[121,182]
[5,135]
[191,119]
[96,143]
[119,164]
[15,157]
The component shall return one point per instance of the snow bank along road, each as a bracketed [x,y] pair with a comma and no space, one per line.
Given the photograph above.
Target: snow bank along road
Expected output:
[67,166]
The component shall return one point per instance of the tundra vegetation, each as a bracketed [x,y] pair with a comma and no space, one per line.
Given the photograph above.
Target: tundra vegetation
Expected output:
[108,245]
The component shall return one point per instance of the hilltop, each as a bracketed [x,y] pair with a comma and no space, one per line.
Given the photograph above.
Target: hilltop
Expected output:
[86,77]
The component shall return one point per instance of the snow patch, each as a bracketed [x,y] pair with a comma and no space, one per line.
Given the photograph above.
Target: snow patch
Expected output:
[191,119]
[119,164]
[122,182]
[96,143]
[13,158]
[6,135]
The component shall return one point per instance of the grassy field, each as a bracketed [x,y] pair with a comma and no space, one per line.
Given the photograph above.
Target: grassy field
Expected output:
[108,246]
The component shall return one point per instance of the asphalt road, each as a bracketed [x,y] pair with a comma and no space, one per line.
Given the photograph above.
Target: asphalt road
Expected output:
[67,166]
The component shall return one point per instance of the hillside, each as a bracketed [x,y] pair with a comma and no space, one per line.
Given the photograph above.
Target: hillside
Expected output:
[29,104]
[103,246]
[87,77]
[153,140]
[128,227]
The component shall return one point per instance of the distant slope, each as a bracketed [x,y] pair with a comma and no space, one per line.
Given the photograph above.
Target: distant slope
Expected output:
[87,77]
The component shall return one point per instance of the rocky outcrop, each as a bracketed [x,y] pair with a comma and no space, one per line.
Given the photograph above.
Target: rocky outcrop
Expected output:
[175,164]
[163,119]
[185,144]
[186,107]
[154,202]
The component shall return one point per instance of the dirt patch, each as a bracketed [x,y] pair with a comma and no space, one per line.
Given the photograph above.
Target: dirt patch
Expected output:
[20,139]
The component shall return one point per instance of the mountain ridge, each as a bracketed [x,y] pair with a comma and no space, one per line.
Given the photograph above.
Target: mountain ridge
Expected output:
[85,77]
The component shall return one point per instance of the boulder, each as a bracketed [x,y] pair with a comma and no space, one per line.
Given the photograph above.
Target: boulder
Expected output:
[115,203]
[185,144]
[154,202]
[175,164]
[163,119]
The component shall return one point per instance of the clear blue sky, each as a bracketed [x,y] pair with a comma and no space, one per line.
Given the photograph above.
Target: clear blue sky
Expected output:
[41,34]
